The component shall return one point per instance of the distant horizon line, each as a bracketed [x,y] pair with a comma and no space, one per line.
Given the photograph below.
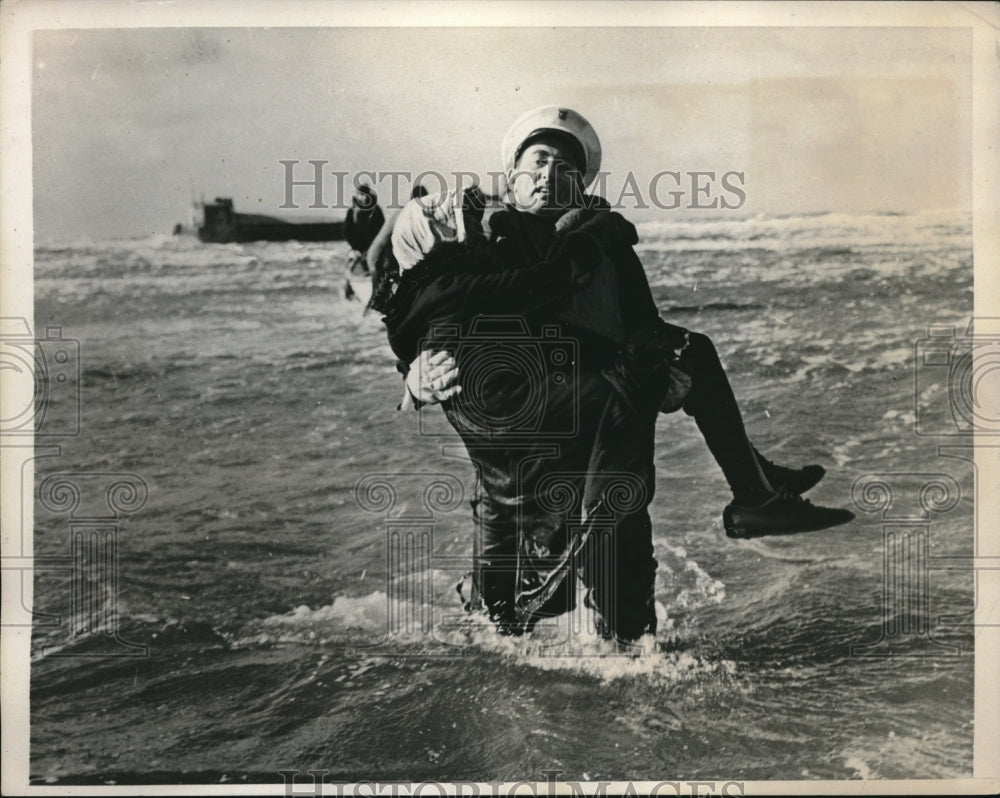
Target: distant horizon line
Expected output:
[687,217]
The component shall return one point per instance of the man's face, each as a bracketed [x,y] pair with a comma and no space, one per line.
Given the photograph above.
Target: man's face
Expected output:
[546,181]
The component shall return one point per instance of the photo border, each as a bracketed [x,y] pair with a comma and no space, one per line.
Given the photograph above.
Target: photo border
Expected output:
[20,18]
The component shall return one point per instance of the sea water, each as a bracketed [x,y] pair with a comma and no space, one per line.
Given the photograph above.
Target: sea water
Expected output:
[294,620]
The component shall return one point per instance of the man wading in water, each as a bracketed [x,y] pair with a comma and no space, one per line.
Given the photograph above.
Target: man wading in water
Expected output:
[591,431]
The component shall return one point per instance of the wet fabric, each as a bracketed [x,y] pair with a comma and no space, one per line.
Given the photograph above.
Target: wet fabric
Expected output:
[436,300]
[563,499]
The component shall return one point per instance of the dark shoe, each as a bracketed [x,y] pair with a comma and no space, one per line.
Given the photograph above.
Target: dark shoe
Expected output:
[790,480]
[783,514]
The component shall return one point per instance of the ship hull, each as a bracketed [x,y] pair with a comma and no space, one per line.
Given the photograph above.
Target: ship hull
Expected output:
[221,225]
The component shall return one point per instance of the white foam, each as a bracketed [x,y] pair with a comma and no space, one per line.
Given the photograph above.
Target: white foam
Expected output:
[859,766]
[568,643]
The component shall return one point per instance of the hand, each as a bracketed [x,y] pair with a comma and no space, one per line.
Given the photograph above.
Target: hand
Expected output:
[433,377]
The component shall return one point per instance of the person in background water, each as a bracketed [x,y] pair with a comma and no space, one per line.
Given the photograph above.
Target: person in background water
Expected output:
[364,219]
[362,223]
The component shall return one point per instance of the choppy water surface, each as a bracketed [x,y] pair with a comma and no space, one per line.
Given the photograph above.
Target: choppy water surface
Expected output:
[250,397]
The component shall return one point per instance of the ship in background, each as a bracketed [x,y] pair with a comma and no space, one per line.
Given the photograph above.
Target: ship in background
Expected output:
[220,223]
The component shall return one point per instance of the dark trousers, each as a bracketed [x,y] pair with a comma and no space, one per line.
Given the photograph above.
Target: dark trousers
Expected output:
[531,493]
[615,562]
[715,410]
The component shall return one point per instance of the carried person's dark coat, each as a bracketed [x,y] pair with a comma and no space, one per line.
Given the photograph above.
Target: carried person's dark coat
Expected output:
[457,282]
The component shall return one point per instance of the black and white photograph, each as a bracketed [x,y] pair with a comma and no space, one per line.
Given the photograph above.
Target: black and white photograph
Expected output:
[500,398]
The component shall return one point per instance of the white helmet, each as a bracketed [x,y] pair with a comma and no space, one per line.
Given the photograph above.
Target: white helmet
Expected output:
[560,120]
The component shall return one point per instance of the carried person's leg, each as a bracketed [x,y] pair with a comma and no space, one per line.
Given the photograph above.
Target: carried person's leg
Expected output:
[766,497]
[713,406]
[697,381]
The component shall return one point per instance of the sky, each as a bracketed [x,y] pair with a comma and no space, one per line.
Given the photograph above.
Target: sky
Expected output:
[130,125]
